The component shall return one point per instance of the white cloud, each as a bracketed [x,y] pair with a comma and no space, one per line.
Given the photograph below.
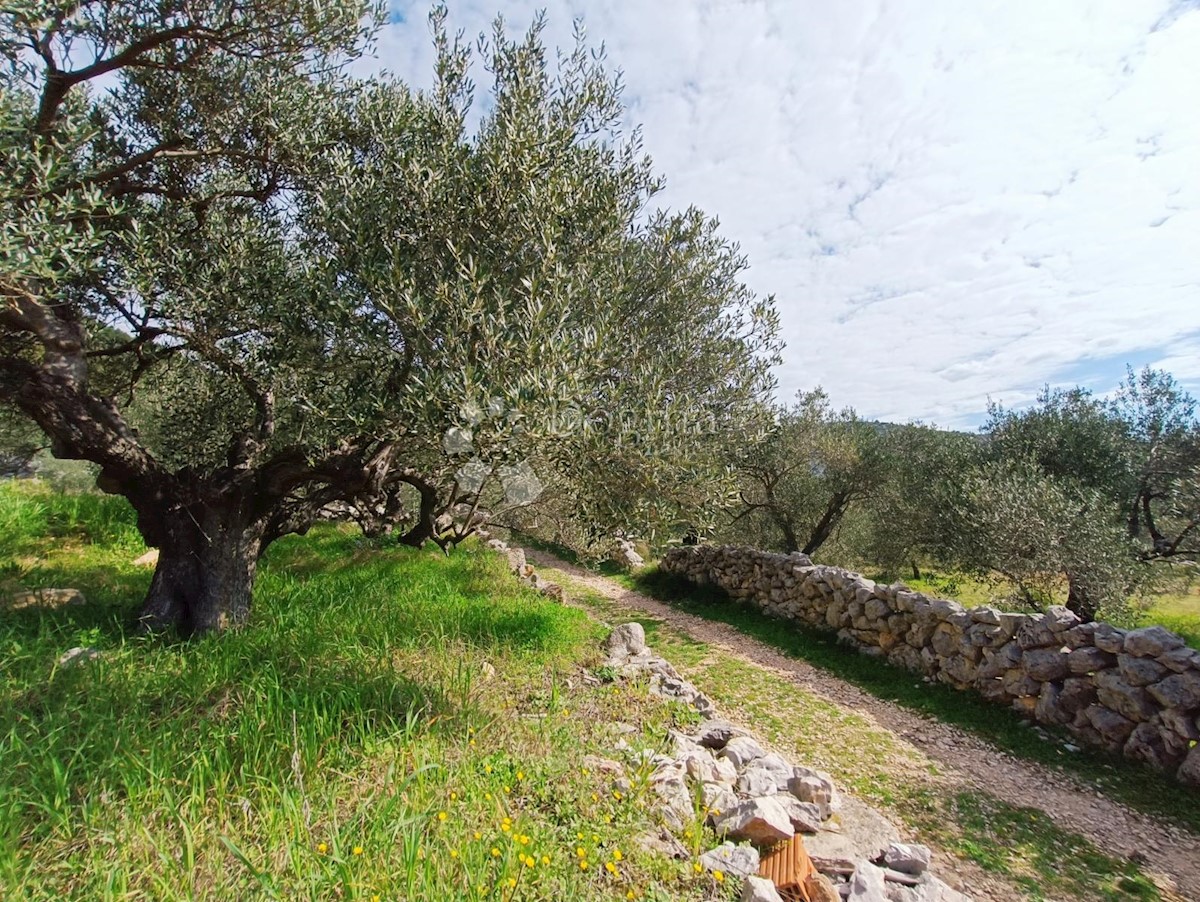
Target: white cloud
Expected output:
[949,200]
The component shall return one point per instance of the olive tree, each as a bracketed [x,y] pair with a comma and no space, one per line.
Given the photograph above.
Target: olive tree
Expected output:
[798,483]
[1161,432]
[1037,531]
[247,286]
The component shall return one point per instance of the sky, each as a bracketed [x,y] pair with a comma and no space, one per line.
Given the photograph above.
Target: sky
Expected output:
[951,202]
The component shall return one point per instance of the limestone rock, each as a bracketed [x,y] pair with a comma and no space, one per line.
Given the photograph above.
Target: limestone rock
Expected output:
[1189,771]
[1088,659]
[626,556]
[78,655]
[1146,744]
[755,781]
[47,598]
[866,885]
[625,641]
[759,889]
[149,559]
[908,858]
[1140,671]
[741,861]
[1151,641]
[1109,638]
[779,768]
[1132,702]
[603,765]
[1180,690]
[805,816]
[718,798]
[1109,724]
[741,750]
[862,834]
[715,734]
[762,821]
[1045,664]
[1049,707]
[1034,633]
[821,889]
[814,788]
[1060,619]
[1181,659]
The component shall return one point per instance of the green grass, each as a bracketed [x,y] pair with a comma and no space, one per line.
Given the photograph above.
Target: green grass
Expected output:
[1136,785]
[393,724]
[1179,611]
[1021,846]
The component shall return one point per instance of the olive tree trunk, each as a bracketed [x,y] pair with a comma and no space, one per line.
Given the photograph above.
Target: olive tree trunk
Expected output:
[207,558]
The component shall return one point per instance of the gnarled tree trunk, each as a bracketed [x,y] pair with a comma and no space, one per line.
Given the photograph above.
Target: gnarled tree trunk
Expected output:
[1079,601]
[208,555]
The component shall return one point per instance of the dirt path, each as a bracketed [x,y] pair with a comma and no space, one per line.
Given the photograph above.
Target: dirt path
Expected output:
[1168,853]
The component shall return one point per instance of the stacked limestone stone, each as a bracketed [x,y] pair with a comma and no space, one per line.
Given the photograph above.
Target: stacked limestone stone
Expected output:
[755,799]
[1135,691]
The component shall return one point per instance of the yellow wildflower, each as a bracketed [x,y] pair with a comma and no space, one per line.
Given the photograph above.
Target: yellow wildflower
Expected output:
[495,852]
[545,859]
[610,867]
[442,815]
[454,853]
[478,835]
[322,848]
[718,876]
[583,865]
[358,850]
[617,856]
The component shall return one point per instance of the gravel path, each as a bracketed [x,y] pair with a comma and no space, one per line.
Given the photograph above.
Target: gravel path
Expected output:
[1169,854]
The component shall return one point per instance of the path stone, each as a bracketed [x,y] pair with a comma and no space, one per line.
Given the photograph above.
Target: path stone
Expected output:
[759,889]
[78,655]
[625,641]
[741,861]
[741,750]
[863,834]
[908,858]
[762,821]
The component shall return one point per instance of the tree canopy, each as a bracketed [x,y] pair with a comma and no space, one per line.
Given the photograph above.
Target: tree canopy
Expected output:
[248,286]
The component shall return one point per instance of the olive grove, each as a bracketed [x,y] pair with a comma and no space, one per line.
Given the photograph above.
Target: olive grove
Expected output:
[248,286]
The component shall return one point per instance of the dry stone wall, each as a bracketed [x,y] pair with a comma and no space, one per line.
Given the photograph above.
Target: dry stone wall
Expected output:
[1133,691]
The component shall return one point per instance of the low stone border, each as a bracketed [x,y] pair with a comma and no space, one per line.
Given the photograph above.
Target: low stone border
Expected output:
[751,798]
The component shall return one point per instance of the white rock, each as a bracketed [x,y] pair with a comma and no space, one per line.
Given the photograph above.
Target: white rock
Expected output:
[759,889]
[741,861]
[863,834]
[78,655]
[755,781]
[718,798]
[625,641]
[867,884]
[805,816]
[762,821]
[908,858]
[741,750]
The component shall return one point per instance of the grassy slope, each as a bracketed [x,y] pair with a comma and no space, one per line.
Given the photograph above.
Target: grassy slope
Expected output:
[354,742]
[1020,845]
